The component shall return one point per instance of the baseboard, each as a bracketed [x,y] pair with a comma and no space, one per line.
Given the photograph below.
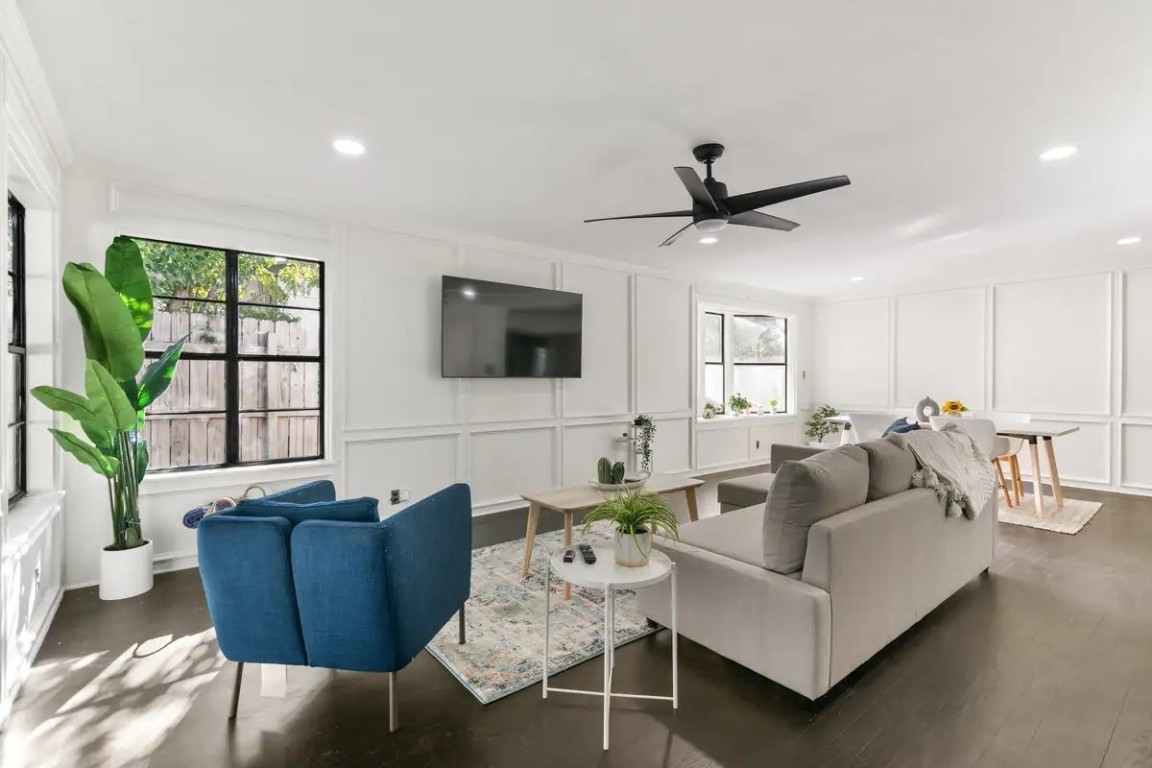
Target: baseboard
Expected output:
[169,561]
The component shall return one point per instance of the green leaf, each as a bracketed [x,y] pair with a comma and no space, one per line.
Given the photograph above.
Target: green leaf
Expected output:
[110,333]
[68,403]
[141,459]
[85,453]
[100,437]
[108,399]
[159,374]
[124,268]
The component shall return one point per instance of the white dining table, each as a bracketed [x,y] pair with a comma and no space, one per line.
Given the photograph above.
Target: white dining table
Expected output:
[1036,434]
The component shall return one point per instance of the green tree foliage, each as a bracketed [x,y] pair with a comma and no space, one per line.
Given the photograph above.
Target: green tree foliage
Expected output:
[191,273]
[758,339]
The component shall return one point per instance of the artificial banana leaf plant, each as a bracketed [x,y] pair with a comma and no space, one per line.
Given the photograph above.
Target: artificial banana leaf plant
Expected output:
[115,311]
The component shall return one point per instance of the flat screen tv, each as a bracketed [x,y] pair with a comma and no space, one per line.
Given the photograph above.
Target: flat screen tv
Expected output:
[497,330]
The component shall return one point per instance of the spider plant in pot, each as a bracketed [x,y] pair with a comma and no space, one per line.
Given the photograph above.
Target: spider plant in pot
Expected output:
[637,515]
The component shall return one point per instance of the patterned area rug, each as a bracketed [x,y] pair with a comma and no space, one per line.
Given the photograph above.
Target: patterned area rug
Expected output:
[505,647]
[1069,519]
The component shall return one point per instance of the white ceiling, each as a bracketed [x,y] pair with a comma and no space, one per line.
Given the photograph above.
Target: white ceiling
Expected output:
[519,119]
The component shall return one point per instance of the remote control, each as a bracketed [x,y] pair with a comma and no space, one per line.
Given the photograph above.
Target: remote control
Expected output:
[569,556]
[587,553]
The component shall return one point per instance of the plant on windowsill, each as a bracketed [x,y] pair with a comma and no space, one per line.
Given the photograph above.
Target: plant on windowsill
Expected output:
[739,404]
[709,410]
[818,427]
[115,311]
[637,515]
[773,404]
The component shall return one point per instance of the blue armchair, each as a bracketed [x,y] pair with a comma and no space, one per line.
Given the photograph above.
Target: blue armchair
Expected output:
[298,577]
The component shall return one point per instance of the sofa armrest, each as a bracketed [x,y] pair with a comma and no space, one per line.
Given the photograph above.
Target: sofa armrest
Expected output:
[782,452]
[773,624]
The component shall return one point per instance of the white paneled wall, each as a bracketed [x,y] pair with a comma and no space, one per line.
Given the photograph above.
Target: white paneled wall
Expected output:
[1071,349]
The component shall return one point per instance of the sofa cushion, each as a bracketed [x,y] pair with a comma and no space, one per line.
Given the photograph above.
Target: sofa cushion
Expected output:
[806,492]
[890,468]
[737,534]
[747,491]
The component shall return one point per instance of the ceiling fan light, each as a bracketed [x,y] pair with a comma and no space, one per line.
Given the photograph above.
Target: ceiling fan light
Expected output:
[711,225]
[709,240]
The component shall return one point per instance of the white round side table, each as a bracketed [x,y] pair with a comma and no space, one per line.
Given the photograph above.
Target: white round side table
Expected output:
[605,574]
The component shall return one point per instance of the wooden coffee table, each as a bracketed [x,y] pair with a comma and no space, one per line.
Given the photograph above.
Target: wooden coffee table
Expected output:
[578,498]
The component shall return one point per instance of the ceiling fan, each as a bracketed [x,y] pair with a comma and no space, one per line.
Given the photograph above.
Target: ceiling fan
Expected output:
[712,208]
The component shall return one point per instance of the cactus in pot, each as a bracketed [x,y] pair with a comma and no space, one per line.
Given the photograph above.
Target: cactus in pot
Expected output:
[604,471]
[618,473]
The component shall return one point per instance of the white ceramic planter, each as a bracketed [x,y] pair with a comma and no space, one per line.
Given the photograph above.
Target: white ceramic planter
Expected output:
[627,552]
[125,572]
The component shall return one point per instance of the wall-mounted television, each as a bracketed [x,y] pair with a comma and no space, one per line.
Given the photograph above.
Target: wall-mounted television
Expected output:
[497,330]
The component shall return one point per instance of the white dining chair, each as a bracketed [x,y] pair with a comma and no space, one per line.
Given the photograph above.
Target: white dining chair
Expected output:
[1009,451]
[868,426]
[983,431]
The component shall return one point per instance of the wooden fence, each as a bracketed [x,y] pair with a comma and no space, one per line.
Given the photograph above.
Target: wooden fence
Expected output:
[177,438]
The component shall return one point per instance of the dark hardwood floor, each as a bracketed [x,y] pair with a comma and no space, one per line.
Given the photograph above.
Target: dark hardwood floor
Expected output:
[1046,661]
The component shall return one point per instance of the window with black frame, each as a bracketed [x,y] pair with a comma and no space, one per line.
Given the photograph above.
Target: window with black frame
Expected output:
[250,385]
[713,348]
[16,477]
[760,359]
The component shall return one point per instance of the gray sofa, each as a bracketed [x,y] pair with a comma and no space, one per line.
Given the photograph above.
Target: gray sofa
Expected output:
[750,490]
[842,558]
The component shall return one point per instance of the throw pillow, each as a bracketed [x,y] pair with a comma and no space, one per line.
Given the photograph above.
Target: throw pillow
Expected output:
[890,468]
[805,492]
[362,510]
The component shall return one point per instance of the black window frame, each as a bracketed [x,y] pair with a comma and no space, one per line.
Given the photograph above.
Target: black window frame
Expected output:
[18,347]
[723,361]
[783,365]
[232,358]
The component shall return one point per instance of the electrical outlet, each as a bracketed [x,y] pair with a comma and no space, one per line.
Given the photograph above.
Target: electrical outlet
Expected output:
[757,445]
[399,495]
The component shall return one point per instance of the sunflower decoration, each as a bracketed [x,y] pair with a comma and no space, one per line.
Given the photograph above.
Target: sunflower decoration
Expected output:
[953,408]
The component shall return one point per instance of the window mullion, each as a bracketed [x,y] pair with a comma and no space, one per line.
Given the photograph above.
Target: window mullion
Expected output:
[232,362]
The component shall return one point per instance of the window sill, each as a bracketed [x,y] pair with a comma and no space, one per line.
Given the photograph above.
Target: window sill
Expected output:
[27,518]
[729,420]
[239,478]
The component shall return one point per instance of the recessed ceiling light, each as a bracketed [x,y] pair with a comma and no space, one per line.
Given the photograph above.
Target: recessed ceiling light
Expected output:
[1062,152]
[856,279]
[1130,240]
[349,147]
[709,240]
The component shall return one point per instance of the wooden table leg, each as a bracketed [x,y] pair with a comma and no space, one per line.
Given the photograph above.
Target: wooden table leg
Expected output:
[567,545]
[530,536]
[1057,491]
[693,512]
[1037,483]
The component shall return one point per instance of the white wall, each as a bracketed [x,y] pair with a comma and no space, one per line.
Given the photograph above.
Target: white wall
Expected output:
[393,421]
[1071,349]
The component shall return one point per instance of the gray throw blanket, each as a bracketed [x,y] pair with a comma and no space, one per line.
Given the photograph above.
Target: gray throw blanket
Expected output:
[952,465]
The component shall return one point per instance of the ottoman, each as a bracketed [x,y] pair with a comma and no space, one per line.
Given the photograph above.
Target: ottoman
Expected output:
[747,491]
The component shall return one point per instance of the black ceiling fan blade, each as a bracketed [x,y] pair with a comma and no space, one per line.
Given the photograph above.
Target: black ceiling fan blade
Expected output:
[676,235]
[762,220]
[750,201]
[664,215]
[691,181]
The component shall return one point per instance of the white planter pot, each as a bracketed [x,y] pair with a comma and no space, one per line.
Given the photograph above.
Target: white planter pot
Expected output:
[627,552]
[125,572]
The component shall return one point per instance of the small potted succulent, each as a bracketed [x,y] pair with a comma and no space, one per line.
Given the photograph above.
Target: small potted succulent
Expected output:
[739,404]
[773,405]
[709,410]
[637,515]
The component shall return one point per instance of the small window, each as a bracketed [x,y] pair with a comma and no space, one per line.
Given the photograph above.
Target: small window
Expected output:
[250,385]
[16,477]
[713,348]
[747,355]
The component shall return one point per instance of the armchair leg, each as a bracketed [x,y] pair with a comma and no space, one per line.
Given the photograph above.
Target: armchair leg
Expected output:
[236,689]
[462,623]
[393,714]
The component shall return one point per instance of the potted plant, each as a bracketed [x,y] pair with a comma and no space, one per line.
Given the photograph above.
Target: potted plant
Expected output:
[773,404]
[637,516]
[115,311]
[818,427]
[739,404]
[709,410]
[645,431]
[953,408]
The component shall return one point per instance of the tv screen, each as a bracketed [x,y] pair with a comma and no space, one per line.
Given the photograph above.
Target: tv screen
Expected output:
[496,330]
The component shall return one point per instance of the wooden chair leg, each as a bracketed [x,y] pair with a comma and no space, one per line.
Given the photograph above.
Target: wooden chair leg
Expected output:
[1017,481]
[1002,481]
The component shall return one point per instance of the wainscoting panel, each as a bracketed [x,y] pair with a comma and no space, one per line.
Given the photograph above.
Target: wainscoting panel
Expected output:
[1136,469]
[507,463]
[670,446]
[1053,346]
[1137,354]
[721,445]
[940,346]
[763,434]
[853,361]
[604,384]
[585,444]
[423,465]
[663,355]
[392,374]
